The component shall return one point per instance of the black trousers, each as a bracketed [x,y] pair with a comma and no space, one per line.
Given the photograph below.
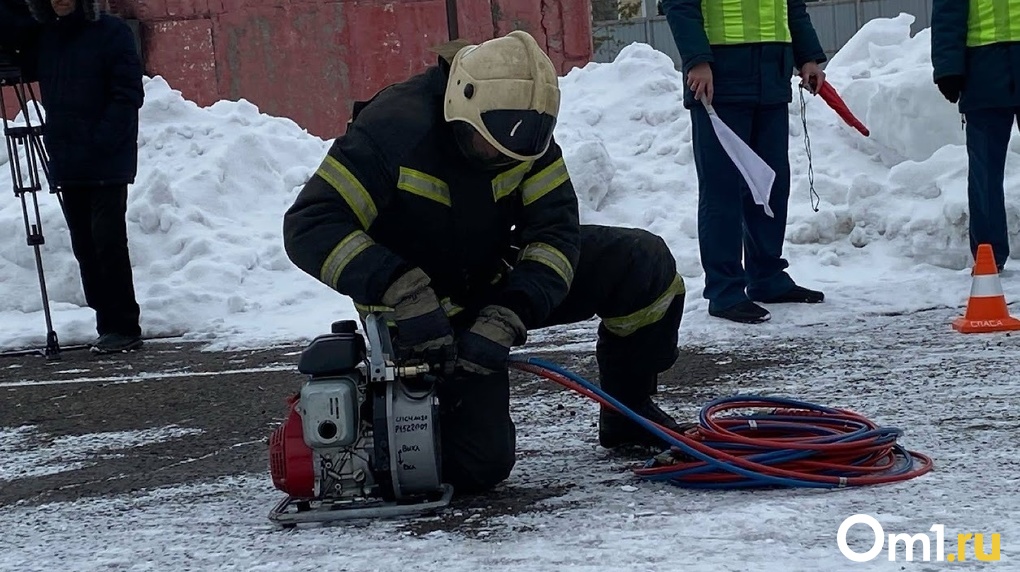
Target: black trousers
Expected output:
[988,133]
[98,228]
[628,278]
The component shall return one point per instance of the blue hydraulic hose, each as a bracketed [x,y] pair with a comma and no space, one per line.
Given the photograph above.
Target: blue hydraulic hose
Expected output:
[822,435]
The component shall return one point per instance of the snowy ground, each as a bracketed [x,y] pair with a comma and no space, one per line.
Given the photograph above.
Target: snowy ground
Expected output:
[888,246]
[569,505]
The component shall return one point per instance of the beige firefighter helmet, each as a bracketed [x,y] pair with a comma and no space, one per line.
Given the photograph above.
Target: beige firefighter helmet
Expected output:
[508,90]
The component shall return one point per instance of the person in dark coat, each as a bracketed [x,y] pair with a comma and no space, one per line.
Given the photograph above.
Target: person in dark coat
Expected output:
[975,53]
[743,67]
[447,205]
[90,83]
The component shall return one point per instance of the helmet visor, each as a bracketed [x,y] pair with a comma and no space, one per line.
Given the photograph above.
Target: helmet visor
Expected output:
[524,132]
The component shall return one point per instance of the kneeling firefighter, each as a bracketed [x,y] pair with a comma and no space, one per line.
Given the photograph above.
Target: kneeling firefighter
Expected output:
[448,206]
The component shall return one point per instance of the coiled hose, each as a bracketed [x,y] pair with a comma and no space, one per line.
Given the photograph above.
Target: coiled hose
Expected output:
[791,444]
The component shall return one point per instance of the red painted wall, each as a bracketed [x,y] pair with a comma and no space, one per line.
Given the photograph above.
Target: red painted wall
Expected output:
[309,60]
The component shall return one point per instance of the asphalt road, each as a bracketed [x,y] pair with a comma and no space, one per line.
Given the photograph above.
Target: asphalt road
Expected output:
[229,403]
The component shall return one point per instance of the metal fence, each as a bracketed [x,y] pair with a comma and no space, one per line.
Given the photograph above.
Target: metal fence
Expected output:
[835,21]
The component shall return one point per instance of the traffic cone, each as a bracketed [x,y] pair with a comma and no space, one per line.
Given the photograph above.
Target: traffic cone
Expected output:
[986,309]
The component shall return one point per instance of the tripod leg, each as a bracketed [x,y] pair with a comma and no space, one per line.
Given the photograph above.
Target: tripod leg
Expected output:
[52,350]
[29,138]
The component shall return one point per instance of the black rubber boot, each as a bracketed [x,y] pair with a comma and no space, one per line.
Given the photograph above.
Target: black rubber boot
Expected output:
[617,430]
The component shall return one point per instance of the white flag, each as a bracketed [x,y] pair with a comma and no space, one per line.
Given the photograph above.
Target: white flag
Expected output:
[756,172]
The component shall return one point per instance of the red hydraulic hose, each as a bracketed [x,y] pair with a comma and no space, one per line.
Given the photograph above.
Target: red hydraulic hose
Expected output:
[792,444]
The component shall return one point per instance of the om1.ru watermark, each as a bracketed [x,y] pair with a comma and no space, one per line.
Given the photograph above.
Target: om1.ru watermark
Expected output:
[983,550]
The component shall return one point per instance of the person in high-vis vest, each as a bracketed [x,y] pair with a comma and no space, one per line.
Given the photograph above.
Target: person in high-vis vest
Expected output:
[447,206]
[975,53]
[739,56]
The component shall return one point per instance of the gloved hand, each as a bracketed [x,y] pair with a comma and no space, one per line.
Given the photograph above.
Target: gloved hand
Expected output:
[423,328]
[485,347]
[951,86]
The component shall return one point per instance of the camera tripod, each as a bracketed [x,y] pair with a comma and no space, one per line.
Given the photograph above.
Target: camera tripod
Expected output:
[27,139]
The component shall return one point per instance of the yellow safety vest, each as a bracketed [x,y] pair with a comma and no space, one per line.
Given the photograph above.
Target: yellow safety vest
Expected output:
[745,21]
[993,21]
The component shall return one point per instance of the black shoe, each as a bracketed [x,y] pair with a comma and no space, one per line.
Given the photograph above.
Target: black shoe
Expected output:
[616,430]
[795,295]
[116,343]
[746,312]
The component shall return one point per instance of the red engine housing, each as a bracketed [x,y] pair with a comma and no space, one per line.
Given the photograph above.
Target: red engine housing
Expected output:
[290,459]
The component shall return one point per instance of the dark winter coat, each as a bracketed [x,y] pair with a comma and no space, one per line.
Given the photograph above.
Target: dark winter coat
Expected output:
[991,73]
[749,73]
[394,193]
[16,27]
[90,82]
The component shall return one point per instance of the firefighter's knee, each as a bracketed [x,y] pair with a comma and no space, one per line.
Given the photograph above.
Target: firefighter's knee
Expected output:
[659,258]
[481,471]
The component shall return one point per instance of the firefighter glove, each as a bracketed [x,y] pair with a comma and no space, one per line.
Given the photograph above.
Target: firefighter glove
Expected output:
[951,86]
[485,347]
[423,329]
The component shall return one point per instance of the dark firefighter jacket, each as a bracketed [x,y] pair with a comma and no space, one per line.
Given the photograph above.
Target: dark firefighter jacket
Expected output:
[90,82]
[756,73]
[394,192]
[991,72]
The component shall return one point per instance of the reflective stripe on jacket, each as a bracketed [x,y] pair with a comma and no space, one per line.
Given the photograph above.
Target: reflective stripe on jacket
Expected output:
[993,21]
[729,22]
[394,192]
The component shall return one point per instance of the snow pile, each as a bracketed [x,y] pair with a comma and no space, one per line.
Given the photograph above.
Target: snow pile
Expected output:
[204,228]
[205,215]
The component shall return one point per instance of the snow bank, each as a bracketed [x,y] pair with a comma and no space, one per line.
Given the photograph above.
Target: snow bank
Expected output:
[205,214]
[204,226]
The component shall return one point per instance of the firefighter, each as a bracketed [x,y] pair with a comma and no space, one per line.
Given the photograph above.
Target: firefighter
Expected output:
[448,206]
[975,52]
[738,56]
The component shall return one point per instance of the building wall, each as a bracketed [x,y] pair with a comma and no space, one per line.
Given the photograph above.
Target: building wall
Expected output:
[309,60]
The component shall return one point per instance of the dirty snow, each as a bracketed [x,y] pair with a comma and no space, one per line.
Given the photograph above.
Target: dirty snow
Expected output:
[25,453]
[889,239]
[955,401]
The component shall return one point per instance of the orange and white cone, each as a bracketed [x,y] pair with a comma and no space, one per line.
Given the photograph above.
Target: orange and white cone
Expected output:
[986,309]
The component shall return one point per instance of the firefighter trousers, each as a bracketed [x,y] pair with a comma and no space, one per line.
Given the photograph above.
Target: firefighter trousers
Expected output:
[626,277]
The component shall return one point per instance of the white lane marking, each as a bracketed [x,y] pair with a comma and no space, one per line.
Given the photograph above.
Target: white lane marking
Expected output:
[146,376]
